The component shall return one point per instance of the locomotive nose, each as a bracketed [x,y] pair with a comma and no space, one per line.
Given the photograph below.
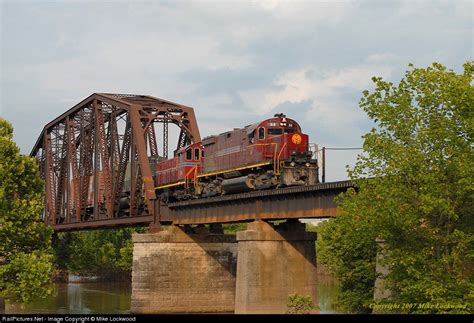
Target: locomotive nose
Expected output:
[296,139]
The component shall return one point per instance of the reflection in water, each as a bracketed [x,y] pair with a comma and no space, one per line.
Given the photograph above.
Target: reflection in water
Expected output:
[328,288]
[86,298]
[114,298]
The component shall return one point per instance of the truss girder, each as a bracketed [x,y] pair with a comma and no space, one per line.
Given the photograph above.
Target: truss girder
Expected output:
[96,158]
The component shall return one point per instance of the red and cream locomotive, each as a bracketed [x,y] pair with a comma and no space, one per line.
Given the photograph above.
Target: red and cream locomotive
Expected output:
[267,154]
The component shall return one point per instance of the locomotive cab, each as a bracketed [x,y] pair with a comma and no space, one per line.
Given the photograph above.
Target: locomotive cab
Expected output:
[292,154]
[189,161]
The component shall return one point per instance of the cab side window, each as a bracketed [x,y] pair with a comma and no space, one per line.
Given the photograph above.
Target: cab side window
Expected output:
[261,133]
[189,154]
[196,153]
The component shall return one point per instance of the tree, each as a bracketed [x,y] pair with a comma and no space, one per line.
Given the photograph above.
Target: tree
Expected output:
[106,253]
[25,241]
[414,190]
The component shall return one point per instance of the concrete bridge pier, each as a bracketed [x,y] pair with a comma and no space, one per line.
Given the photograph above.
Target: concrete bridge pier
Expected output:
[183,271]
[274,262]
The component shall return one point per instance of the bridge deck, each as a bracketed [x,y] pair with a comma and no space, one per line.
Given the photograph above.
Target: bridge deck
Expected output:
[315,201]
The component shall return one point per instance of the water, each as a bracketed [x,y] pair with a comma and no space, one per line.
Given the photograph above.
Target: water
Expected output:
[114,298]
[85,298]
[328,288]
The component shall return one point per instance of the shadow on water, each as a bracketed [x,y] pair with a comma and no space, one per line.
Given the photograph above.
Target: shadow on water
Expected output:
[114,298]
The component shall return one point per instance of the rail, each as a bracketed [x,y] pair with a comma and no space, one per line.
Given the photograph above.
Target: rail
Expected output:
[286,191]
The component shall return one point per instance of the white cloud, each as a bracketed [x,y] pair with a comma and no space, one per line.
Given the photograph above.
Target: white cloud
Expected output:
[215,100]
[118,64]
[324,88]
[295,88]
[312,12]
[381,57]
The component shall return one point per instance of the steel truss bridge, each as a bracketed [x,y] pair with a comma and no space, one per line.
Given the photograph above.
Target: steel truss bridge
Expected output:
[89,152]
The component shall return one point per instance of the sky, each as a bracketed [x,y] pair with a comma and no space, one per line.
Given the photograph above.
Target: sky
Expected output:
[235,63]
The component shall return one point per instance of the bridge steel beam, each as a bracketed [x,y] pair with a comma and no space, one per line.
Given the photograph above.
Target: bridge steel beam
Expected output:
[315,201]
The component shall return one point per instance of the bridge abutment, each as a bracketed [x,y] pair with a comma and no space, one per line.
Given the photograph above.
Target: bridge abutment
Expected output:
[274,262]
[175,271]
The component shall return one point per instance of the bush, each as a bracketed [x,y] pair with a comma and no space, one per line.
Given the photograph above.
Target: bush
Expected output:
[299,304]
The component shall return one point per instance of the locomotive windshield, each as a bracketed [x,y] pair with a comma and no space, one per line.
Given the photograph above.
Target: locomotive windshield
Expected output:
[280,131]
[281,126]
[275,131]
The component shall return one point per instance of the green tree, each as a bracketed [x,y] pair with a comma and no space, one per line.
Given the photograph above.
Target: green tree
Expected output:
[106,253]
[419,197]
[25,242]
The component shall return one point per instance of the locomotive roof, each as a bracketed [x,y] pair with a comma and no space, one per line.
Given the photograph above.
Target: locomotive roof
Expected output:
[250,128]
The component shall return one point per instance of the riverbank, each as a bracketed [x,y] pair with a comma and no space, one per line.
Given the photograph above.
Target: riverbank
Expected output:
[64,277]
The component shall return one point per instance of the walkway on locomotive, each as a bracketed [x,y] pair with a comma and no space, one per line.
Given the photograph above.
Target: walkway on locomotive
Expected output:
[264,144]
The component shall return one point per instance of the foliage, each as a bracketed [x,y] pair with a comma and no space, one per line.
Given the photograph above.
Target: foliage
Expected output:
[25,263]
[346,245]
[299,304]
[125,260]
[106,253]
[26,275]
[418,199]
[233,228]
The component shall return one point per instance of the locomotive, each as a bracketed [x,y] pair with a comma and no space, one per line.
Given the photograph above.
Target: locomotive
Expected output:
[268,154]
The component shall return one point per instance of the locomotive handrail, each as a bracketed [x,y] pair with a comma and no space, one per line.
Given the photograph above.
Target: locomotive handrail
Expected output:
[278,159]
[186,180]
[316,149]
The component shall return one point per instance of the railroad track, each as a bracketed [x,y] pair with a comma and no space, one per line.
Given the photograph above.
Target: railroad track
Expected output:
[342,185]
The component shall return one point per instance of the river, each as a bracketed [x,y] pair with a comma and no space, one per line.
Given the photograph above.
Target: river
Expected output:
[114,298]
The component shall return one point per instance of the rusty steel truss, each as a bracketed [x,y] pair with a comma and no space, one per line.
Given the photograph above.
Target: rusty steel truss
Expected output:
[87,154]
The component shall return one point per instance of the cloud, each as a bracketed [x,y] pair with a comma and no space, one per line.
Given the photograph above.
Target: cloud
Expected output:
[307,11]
[326,89]
[235,62]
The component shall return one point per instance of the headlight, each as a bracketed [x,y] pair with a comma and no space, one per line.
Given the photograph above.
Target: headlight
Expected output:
[308,164]
[292,164]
